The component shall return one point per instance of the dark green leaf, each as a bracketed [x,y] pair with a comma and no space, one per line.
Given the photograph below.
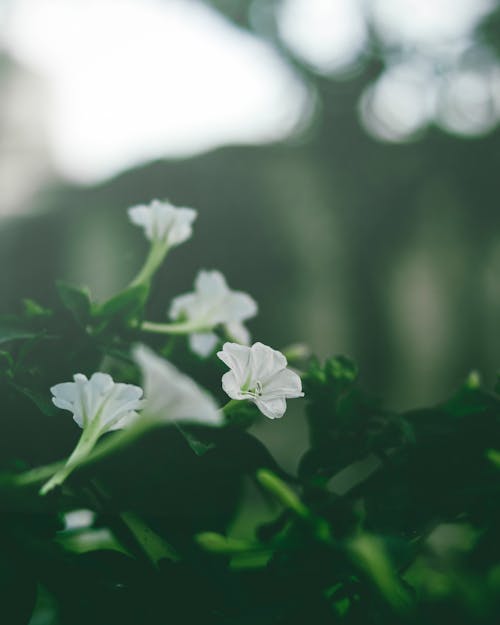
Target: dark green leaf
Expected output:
[124,305]
[13,329]
[34,310]
[17,592]
[42,401]
[76,300]
[197,445]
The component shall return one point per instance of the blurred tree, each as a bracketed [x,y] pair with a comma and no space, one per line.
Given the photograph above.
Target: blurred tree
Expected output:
[388,251]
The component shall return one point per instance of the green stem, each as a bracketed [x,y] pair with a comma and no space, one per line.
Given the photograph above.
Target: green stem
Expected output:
[277,487]
[368,553]
[114,443]
[218,543]
[121,439]
[288,498]
[494,456]
[146,541]
[155,547]
[32,476]
[154,259]
[184,327]
[85,445]
[226,409]
[297,351]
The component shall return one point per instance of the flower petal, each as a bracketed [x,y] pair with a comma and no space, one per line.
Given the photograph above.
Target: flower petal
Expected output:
[285,383]
[141,216]
[230,386]
[239,306]
[272,408]
[64,391]
[238,332]
[128,392]
[259,374]
[171,395]
[182,305]
[124,421]
[236,357]
[98,401]
[266,361]
[102,382]
[211,283]
[203,344]
[62,403]
[212,303]
[181,229]
[163,221]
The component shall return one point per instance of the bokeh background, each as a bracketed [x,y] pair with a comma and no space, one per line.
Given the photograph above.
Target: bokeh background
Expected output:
[344,156]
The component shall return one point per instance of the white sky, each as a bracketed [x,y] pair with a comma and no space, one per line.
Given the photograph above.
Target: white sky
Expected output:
[328,34]
[131,80]
[134,80]
[427,22]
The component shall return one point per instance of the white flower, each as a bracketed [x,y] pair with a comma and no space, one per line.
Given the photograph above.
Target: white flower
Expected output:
[99,403]
[259,374]
[211,304]
[171,395]
[163,222]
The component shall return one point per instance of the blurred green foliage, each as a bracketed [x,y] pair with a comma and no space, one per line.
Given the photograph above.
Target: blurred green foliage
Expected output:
[393,517]
[386,251]
[389,252]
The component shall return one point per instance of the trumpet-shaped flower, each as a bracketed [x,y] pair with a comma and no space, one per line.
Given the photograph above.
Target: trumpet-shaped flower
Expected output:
[172,395]
[260,375]
[164,223]
[212,304]
[98,405]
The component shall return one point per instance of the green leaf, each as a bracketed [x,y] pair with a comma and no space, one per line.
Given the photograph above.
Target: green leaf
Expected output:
[496,387]
[42,402]
[198,446]
[494,456]
[154,546]
[241,414]
[6,360]
[76,300]
[124,305]
[17,591]
[282,492]
[368,552]
[217,543]
[13,329]
[342,369]
[34,310]
[468,400]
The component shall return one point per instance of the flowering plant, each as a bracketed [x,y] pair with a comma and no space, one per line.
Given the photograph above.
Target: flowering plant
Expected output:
[159,501]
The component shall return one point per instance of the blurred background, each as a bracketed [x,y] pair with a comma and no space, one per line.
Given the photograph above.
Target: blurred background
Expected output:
[344,156]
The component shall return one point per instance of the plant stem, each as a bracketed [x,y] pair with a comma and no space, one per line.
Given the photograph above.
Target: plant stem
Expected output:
[155,547]
[368,553]
[87,441]
[170,328]
[145,541]
[226,409]
[32,476]
[114,443]
[154,259]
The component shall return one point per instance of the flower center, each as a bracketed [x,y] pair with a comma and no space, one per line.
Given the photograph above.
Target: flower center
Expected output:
[254,392]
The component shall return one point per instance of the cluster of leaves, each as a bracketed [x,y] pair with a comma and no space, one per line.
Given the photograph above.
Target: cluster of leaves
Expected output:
[392,518]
